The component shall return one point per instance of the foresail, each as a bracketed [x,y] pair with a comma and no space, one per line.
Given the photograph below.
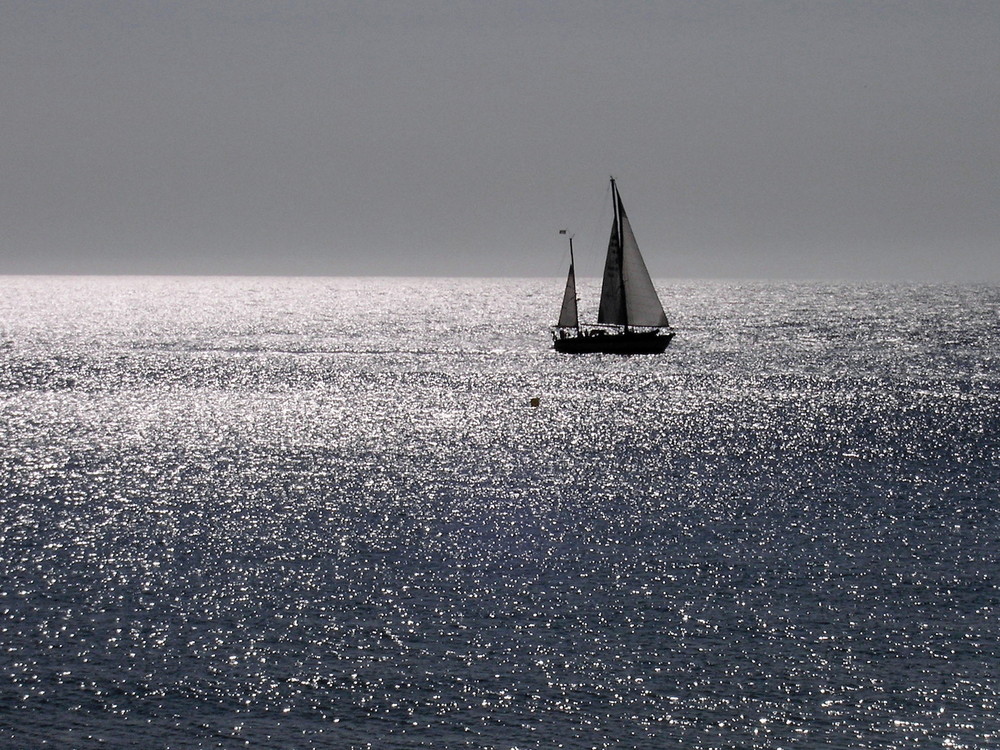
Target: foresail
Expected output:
[612,309]
[568,316]
[642,305]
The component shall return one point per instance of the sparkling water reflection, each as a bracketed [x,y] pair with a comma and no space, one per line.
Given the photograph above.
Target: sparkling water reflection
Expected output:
[320,513]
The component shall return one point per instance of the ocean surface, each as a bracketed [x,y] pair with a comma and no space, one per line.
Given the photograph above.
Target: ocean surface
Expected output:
[321,513]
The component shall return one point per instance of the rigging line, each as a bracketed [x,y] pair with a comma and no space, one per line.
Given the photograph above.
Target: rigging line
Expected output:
[566,251]
[592,250]
[596,241]
[585,245]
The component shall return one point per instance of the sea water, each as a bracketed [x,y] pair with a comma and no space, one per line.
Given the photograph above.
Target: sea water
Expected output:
[322,513]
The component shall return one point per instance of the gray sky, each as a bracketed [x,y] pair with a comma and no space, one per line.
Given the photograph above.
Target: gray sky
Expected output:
[750,139]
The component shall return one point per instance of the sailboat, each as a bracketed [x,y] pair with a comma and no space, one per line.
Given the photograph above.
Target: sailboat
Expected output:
[630,319]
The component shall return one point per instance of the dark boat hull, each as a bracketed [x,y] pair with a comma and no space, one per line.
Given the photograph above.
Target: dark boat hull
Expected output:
[613,342]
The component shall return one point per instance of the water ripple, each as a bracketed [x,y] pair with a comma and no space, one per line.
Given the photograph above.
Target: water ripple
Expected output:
[320,513]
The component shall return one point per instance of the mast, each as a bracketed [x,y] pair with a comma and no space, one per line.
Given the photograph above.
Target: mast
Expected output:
[572,273]
[621,251]
[612,308]
[568,317]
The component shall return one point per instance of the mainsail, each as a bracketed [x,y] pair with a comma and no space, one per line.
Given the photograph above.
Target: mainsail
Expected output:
[612,310]
[628,297]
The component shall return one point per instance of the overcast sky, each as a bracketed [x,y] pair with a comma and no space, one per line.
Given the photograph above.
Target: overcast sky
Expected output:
[785,140]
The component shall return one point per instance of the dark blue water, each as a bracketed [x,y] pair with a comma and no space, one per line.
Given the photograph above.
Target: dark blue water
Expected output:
[321,513]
